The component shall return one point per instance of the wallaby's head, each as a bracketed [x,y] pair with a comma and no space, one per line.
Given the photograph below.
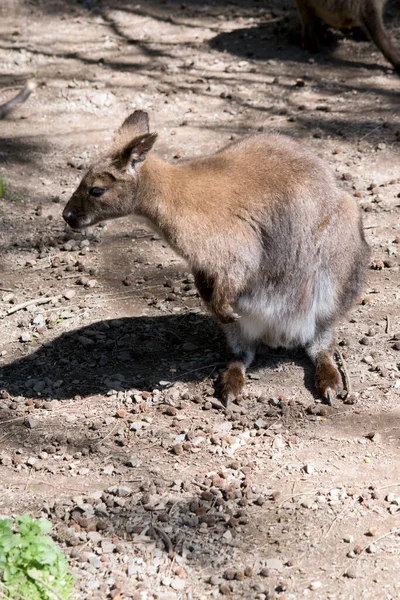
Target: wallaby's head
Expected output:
[108,189]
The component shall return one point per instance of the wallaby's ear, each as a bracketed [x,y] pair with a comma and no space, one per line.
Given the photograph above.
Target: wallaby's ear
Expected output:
[134,152]
[137,123]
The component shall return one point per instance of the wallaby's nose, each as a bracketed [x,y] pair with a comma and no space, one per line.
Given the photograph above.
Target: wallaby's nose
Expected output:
[70,218]
[67,215]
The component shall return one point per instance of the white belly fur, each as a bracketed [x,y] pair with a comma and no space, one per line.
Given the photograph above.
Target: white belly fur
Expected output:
[277,320]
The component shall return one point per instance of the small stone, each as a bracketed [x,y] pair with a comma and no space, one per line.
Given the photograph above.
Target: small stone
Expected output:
[315,585]
[265,572]
[349,539]
[274,564]
[225,589]
[309,469]
[177,449]
[51,404]
[171,411]
[69,294]
[365,341]
[25,336]
[372,531]
[229,574]
[31,423]
[351,573]
[178,584]
[107,547]
[371,549]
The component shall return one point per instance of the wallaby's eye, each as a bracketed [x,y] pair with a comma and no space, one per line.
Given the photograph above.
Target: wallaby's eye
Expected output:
[97,191]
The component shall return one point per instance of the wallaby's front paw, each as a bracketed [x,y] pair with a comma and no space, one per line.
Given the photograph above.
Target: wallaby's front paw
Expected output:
[225,314]
[233,382]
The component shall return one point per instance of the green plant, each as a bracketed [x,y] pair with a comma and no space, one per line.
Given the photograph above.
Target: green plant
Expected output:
[5,192]
[32,567]
[3,187]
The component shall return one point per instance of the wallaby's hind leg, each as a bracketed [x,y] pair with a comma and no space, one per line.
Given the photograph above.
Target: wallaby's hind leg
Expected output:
[310,25]
[327,378]
[372,22]
[243,352]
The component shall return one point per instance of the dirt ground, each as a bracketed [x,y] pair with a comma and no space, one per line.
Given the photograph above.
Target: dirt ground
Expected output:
[110,423]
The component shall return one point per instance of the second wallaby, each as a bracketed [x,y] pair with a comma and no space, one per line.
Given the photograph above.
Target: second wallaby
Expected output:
[346,14]
[276,247]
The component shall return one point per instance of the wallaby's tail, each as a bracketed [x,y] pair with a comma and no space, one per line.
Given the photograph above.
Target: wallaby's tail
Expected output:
[23,95]
[372,22]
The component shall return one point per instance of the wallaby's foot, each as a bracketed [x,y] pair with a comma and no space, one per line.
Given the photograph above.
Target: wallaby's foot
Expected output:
[327,378]
[233,382]
[311,42]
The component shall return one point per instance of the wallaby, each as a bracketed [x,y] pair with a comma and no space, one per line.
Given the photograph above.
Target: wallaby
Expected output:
[343,14]
[21,97]
[277,250]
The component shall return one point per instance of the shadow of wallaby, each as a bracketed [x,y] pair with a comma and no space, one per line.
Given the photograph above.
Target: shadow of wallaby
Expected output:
[281,41]
[127,353]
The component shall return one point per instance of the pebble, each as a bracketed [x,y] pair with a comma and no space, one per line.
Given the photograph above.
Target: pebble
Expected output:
[274,563]
[315,585]
[309,469]
[107,547]
[178,584]
[349,539]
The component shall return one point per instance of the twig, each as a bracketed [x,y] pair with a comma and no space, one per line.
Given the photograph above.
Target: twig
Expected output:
[384,487]
[23,95]
[311,493]
[200,485]
[32,302]
[346,375]
[388,325]
[369,133]
[165,539]
[27,481]
[385,535]
[46,585]
[339,514]
[7,290]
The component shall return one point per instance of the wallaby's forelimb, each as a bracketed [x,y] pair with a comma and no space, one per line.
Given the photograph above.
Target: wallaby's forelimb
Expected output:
[20,98]
[309,23]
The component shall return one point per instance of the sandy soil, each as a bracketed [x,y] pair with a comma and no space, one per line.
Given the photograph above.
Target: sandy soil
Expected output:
[109,421]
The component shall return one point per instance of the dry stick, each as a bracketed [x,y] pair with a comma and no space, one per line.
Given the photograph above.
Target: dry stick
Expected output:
[27,481]
[388,325]
[346,375]
[165,539]
[23,95]
[384,487]
[385,535]
[339,514]
[32,302]
[311,493]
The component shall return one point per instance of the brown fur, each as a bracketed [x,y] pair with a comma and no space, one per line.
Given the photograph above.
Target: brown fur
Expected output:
[342,14]
[276,248]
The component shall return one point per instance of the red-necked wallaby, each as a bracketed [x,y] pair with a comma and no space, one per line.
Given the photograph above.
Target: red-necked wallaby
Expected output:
[21,97]
[276,248]
[344,14]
